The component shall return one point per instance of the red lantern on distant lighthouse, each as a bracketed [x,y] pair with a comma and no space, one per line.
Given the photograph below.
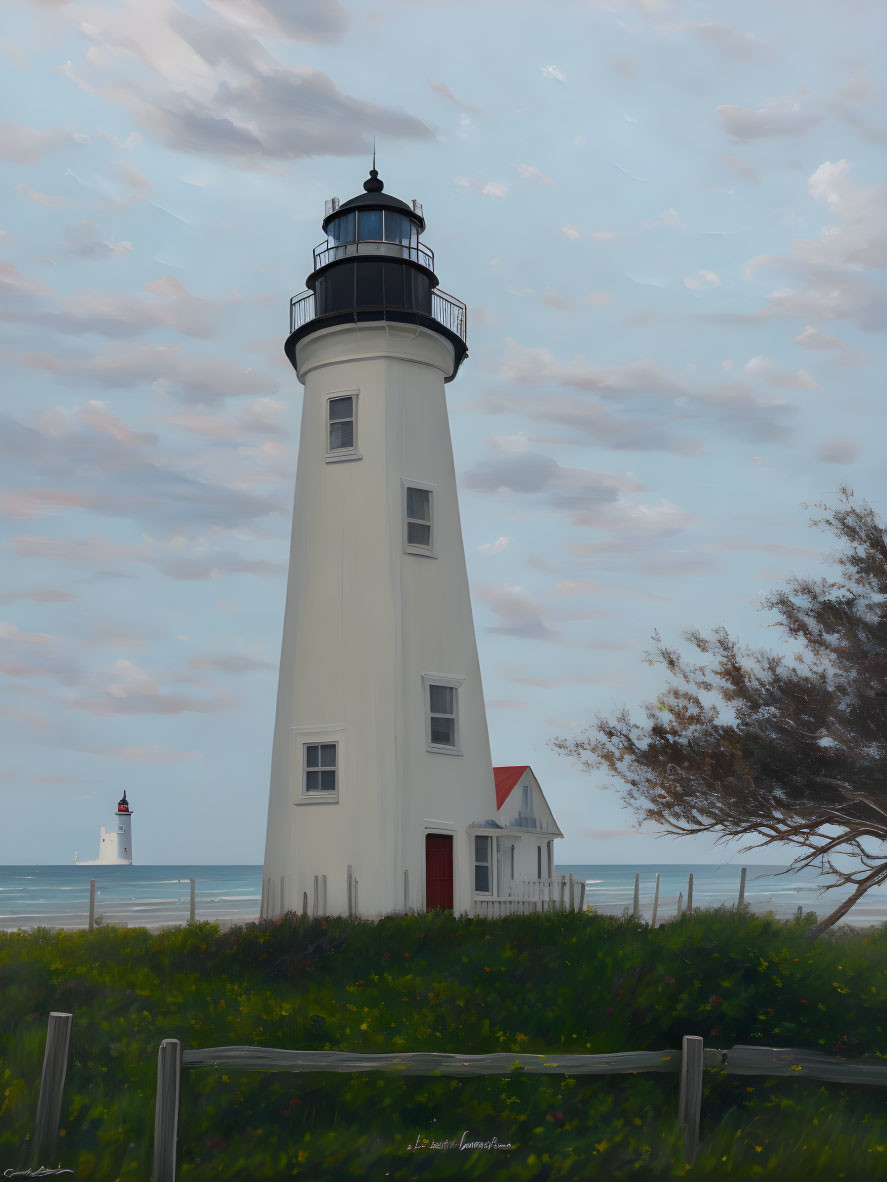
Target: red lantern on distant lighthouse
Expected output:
[123,805]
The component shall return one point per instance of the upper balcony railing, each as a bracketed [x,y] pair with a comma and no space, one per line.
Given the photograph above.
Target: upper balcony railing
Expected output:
[446,309]
[329,252]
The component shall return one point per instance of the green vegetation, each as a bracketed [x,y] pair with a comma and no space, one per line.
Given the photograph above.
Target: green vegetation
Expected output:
[574,983]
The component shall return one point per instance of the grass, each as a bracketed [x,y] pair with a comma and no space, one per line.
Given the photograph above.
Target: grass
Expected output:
[535,983]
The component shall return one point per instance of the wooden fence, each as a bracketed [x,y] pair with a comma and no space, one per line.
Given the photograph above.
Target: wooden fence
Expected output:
[689,1063]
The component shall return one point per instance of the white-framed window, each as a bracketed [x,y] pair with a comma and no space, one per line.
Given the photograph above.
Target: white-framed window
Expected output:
[320,768]
[419,518]
[442,712]
[511,874]
[538,861]
[483,867]
[317,753]
[340,424]
[550,859]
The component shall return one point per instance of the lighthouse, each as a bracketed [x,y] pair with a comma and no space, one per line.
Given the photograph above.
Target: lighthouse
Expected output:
[382,794]
[115,845]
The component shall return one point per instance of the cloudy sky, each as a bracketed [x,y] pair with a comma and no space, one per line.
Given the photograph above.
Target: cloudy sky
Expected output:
[667,220]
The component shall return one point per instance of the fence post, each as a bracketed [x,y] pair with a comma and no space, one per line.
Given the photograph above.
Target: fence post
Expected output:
[680,903]
[304,904]
[52,1082]
[742,888]
[572,900]
[690,1101]
[636,907]
[193,909]
[560,893]
[690,896]
[349,889]
[316,895]
[92,904]
[262,903]
[655,903]
[166,1110]
[406,891]
[323,876]
[582,896]
[356,907]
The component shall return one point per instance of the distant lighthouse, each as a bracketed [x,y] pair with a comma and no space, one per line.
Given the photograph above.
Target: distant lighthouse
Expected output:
[115,846]
[382,793]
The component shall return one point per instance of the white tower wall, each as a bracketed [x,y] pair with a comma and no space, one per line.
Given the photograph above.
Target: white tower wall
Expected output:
[364,621]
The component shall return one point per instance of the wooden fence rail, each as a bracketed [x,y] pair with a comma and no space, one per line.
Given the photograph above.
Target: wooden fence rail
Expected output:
[689,1063]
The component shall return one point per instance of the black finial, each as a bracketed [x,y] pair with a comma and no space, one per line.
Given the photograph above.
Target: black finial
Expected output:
[373,184]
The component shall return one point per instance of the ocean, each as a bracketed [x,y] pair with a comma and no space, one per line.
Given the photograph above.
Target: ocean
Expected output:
[58,896]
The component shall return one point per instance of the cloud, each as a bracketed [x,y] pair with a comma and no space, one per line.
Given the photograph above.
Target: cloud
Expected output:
[494,547]
[731,43]
[552,300]
[487,188]
[317,21]
[553,73]
[27,145]
[829,272]
[702,281]
[231,663]
[259,417]
[814,338]
[730,402]
[768,371]
[527,172]
[211,87]
[572,232]
[517,614]
[839,451]
[168,304]
[741,168]
[597,299]
[781,118]
[83,241]
[36,197]
[196,379]
[568,490]
[38,595]
[444,91]
[668,217]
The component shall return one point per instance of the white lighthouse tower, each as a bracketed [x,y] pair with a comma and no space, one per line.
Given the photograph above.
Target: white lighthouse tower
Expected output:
[382,792]
[115,845]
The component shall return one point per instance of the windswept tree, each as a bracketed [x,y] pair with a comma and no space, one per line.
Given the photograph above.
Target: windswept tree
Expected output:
[787,749]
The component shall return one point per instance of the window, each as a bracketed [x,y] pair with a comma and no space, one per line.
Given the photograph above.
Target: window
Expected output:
[442,712]
[341,426]
[341,229]
[341,422]
[321,767]
[511,875]
[482,875]
[369,225]
[419,518]
[538,861]
[550,859]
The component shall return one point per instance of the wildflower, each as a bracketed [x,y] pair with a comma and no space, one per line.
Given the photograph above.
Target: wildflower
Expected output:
[669,980]
[716,999]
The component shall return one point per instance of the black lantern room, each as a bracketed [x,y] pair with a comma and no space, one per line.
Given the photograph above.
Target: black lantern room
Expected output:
[373,266]
[123,805]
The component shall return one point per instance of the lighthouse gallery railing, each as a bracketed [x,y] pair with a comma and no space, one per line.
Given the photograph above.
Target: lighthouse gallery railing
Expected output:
[446,309]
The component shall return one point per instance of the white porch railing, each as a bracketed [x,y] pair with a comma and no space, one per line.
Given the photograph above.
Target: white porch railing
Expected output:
[563,893]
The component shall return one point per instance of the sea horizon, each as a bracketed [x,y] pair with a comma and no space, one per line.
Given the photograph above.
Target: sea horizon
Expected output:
[153,895]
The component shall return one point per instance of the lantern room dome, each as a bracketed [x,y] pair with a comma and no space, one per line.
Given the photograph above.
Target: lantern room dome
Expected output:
[123,804]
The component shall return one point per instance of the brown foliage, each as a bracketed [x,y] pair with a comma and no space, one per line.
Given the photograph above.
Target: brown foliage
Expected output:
[789,749]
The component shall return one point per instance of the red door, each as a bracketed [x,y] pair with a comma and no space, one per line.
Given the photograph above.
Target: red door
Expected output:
[438,872]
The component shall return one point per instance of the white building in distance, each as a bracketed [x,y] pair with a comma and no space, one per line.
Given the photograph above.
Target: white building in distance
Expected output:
[115,845]
[383,796]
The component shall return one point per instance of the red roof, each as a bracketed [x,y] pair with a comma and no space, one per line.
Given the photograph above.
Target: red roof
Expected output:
[506,778]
